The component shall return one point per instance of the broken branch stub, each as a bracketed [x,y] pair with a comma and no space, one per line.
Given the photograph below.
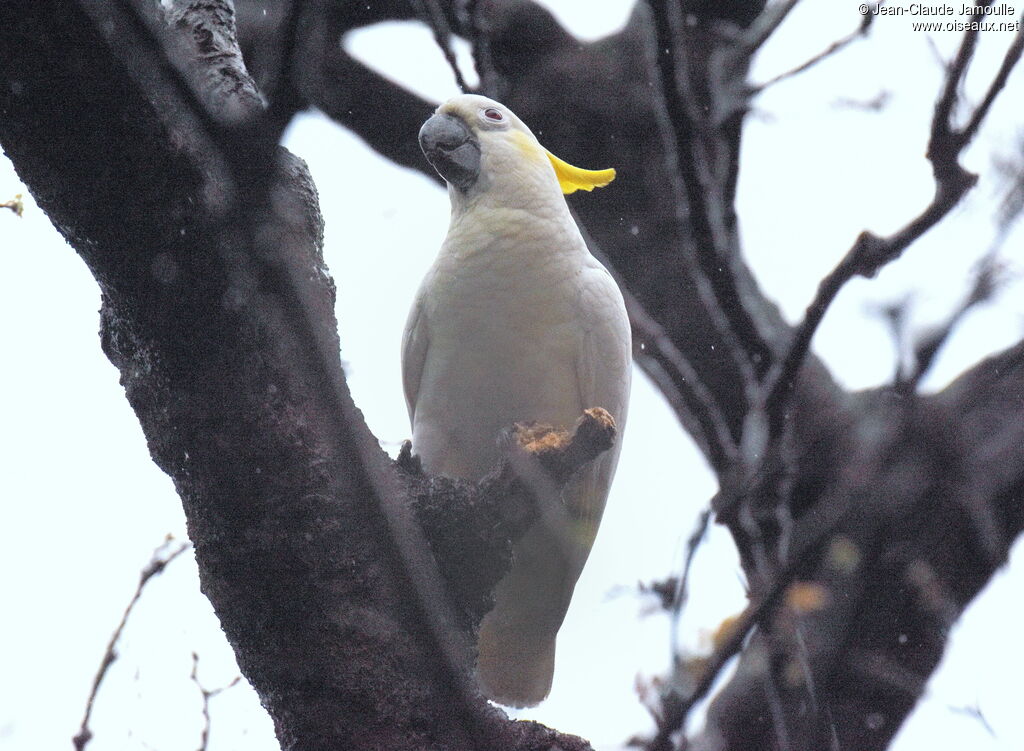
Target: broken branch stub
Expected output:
[471,527]
[562,453]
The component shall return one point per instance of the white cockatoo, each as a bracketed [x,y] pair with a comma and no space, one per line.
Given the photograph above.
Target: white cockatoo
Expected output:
[516,321]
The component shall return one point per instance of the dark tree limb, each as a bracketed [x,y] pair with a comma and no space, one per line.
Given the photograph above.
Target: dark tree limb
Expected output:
[697,151]
[438,24]
[342,87]
[917,540]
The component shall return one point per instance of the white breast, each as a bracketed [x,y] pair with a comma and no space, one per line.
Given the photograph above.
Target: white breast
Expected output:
[503,321]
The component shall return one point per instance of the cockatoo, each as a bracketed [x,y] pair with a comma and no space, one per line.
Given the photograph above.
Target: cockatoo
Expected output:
[515,321]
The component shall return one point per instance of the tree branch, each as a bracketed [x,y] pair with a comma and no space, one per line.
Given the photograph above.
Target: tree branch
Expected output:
[693,146]
[870,253]
[161,558]
[435,20]
[837,46]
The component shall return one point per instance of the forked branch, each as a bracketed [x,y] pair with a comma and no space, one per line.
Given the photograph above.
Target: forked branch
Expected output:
[870,253]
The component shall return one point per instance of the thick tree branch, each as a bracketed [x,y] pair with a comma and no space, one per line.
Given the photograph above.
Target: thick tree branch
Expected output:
[927,514]
[342,87]
[694,144]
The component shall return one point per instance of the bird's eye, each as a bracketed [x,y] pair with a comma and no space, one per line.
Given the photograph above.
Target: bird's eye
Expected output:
[493,115]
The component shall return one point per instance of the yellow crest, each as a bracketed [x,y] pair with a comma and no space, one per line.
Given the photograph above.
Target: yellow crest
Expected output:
[572,178]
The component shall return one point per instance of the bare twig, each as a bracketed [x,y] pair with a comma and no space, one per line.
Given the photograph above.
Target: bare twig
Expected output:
[817,703]
[483,60]
[955,72]
[765,25]
[434,18]
[679,382]
[161,557]
[975,712]
[1011,206]
[927,348]
[560,452]
[207,695]
[836,46]
[676,705]
[681,594]
[875,104]
[1010,60]
[781,381]
[778,713]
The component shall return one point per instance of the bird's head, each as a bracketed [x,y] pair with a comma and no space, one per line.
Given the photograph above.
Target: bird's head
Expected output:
[479,146]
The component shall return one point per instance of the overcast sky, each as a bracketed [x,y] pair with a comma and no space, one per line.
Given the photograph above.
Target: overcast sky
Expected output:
[83,505]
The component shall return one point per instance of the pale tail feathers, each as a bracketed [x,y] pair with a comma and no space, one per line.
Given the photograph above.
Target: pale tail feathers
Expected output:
[514,672]
[516,644]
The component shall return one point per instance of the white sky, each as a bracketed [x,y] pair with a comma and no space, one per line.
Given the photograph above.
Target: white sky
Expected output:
[84,506]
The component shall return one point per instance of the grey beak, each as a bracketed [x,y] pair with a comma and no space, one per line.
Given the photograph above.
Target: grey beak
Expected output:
[451,149]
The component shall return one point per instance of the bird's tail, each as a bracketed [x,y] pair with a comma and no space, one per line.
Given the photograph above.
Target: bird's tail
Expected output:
[513,668]
[516,642]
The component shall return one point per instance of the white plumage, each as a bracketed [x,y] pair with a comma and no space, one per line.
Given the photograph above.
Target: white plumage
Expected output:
[516,321]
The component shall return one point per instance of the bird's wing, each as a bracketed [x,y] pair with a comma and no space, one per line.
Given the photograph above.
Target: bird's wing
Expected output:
[415,342]
[603,375]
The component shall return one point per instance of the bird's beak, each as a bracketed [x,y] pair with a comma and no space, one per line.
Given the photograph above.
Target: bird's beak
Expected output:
[451,149]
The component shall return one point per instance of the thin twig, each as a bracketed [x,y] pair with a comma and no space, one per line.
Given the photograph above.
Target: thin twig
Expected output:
[836,46]
[434,17]
[817,704]
[927,349]
[814,529]
[781,381]
[681,385]
[679,382]
[778,713]
[955,72]
[1010,60]
[681,594]
[157,563]
[483,59]
[975,712]
[207,694]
